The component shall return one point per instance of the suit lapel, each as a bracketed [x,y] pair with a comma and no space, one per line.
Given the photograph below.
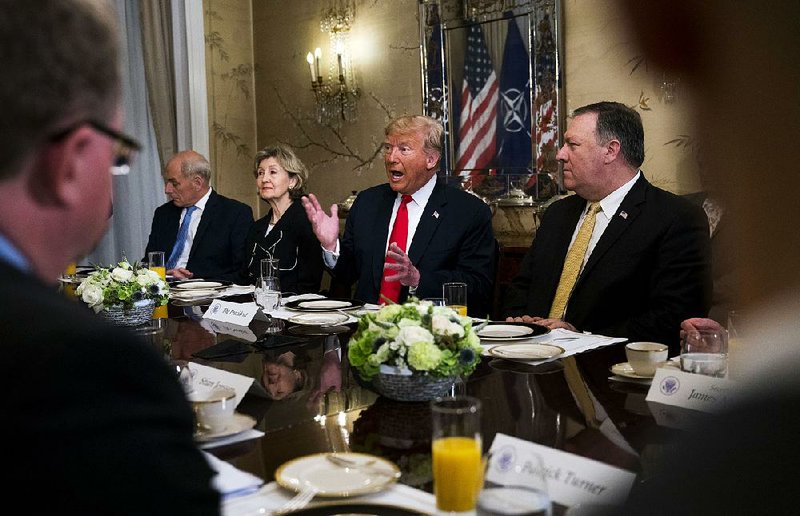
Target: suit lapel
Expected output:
[205,221]
[380,228]
[628,211]
[436,207]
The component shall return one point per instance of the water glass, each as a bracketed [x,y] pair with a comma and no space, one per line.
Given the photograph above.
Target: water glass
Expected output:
[269,267]
[456,447]
[515,482]
[705,352]
[455,296]
[268,294]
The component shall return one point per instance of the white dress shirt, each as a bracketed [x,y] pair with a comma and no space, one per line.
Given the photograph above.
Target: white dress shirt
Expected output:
[183,259]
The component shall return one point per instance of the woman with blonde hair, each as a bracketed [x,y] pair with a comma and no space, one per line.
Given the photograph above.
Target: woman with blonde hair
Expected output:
[284,232]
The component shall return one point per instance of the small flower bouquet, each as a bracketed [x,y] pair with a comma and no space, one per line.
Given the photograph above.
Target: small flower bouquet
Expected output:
[415,336]
[124,286]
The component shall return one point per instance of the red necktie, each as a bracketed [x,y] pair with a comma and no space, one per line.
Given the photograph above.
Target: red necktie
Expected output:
[391,289]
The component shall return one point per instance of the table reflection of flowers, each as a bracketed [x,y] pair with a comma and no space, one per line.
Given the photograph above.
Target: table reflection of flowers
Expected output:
[417,336]
[124,285]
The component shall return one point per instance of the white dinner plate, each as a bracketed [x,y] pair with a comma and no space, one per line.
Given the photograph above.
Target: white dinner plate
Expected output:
[238,424]
[318,319]
[505,331]
[624,369]
[526,351]
[325,303]
[329,479]
[199,285]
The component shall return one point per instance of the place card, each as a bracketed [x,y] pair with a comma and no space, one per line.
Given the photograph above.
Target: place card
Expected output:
[235,313]
[205,379]
[571,479]
[235,330]
[691,391]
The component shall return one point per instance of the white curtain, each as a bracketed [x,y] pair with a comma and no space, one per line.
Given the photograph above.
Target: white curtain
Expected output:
[138,194]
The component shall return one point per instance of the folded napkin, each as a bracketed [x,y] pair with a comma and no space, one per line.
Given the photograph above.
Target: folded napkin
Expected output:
[272,496]
[230,481]
[571,341]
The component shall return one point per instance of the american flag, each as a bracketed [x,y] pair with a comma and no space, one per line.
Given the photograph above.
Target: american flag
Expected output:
[477,126]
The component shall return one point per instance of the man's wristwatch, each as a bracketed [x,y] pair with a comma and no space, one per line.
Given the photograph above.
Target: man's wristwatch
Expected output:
[412,290]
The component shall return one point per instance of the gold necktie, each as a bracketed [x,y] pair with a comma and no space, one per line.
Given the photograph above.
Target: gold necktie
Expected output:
[573,263]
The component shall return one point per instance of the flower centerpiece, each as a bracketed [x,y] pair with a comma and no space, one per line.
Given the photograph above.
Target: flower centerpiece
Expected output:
[125,294]
[414,351]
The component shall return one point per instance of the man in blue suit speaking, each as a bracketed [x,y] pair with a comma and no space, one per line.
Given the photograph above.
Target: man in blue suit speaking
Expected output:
[410,236]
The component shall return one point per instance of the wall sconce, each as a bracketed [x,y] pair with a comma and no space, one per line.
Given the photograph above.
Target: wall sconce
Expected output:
[335,96]
[669,87]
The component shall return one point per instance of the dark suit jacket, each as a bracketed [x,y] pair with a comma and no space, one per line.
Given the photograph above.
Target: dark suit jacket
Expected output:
[91,413]
[218,247]
[454,241]
[649,271]
[293,243]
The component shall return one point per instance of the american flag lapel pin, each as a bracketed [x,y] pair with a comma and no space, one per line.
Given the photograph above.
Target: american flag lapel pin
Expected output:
[624,215]
[436,214]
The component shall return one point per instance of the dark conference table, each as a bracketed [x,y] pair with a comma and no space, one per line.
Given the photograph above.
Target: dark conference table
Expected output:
[535,403]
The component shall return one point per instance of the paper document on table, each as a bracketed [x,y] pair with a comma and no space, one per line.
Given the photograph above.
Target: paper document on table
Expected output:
[571,341]
[205,379]
[230,481]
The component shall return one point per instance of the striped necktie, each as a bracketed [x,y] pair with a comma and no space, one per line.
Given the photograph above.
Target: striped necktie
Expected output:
[391,289]
[180,241]
[573,263]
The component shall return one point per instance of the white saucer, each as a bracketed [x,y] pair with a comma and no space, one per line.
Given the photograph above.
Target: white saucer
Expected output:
[199,285]
[325,303]
[318,319]
[624,369]
[504,331]
[329,479]
[526,351]
[240,423]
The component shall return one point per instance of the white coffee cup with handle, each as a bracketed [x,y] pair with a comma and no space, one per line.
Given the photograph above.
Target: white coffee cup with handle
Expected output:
[645,357]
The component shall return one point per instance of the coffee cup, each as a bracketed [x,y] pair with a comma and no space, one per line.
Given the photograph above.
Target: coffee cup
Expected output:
[213,411]
[645,357]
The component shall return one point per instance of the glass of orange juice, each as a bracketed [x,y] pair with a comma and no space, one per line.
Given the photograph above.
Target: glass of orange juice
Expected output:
[457,449]
[455,296]
[155,262]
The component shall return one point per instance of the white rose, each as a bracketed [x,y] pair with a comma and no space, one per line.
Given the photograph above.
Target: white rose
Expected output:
[409,335]
[121,275]
[442,325]
[147,277]
[92,295]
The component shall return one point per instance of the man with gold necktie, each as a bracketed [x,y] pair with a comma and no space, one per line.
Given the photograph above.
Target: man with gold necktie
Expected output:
[621,257]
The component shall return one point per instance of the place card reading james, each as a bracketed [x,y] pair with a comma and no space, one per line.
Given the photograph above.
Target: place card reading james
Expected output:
[692,391]
[571,479]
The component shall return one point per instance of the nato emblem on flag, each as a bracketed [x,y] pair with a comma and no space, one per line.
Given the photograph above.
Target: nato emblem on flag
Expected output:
[478,113]
[514,117]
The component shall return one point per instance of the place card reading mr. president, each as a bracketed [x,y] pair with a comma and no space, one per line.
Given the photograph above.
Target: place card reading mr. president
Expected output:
[235,313]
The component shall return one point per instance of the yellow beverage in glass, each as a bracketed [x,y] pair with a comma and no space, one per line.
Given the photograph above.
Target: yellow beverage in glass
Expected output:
[457,473]
[72,268]
[160,312]
[460,309]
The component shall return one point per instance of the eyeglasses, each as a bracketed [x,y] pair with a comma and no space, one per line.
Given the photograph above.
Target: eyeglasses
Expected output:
[125,147]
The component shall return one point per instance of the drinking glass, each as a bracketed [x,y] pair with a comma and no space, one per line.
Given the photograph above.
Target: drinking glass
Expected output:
[155,262]
[515,482]
[269,267]
[267,295]
[455,296]
[705,352]
[456,447]
[736,346]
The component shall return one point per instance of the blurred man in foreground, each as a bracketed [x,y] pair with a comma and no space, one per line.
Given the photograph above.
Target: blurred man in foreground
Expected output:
[742,60]
[94,421]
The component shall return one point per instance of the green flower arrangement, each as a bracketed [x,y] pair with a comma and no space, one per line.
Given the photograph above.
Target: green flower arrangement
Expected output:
[418,336]
[123,284]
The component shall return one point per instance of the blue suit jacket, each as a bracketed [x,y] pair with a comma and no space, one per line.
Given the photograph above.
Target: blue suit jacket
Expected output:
[649,271]
[218,248]
[454,241]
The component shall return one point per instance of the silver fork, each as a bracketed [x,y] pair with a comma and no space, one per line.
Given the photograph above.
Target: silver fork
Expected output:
[299,500]
[364,466]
